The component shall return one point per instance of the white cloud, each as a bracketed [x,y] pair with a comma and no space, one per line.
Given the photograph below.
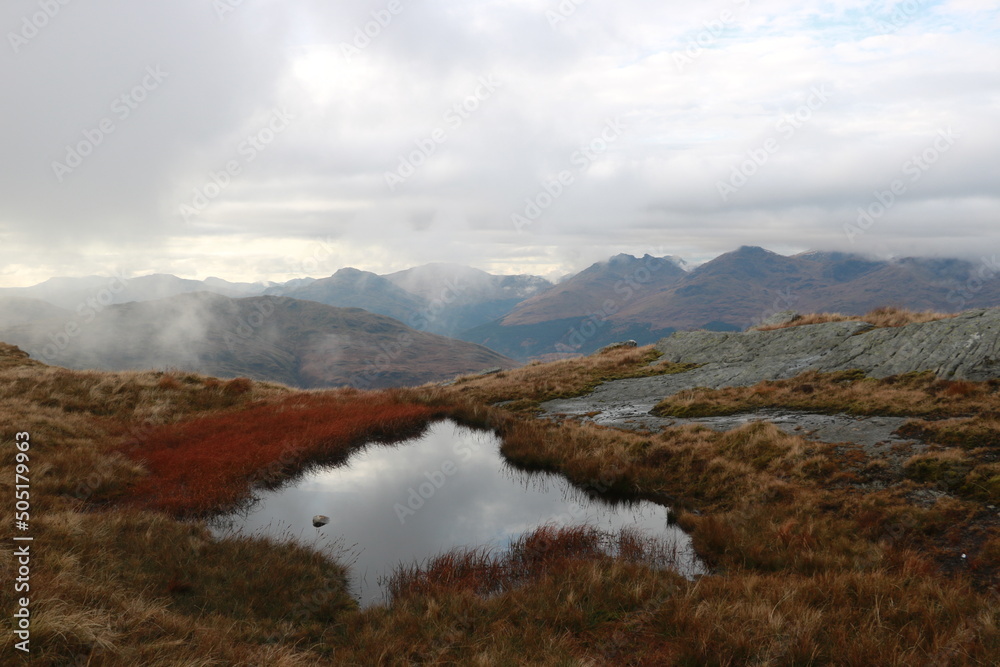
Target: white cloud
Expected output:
[751,66]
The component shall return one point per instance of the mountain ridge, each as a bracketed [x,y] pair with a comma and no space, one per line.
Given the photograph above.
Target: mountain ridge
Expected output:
[299,343]
[642,298]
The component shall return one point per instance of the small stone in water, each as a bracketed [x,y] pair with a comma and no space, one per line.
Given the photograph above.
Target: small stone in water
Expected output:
[320,520]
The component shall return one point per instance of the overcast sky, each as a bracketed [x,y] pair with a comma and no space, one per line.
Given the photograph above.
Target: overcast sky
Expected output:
[259,139]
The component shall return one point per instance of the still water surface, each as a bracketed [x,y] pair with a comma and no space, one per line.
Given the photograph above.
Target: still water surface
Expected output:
[392,504]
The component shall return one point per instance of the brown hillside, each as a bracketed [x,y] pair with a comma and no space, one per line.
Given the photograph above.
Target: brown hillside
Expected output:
[298,343]
[620,281]
[745,286]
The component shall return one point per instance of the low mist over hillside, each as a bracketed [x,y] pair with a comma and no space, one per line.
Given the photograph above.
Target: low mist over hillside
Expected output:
[460,297]
[350,288]
[300,343]
[18,310]
[445,299]
[625,297]
[71,292]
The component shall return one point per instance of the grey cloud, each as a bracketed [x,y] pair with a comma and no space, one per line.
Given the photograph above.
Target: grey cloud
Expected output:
[325,176]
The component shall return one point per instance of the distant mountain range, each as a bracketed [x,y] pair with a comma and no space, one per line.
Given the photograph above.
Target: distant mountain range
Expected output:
[578,314]
[625,298]
[297,342]
[351,288]
[524,317]
[445,299]
[459,298]
[74,293]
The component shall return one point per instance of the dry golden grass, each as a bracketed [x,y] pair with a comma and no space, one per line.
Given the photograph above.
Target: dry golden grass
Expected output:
[610,612]
[526,387]
[809,568]
[880,318]
[910,395]
[982,430]
[966,466]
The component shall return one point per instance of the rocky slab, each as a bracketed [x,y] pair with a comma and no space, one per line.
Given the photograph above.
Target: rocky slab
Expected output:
[964,347]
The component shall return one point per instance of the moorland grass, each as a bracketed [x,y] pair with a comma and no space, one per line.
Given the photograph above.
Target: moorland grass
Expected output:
[524,389]
[809,566]
[909,395]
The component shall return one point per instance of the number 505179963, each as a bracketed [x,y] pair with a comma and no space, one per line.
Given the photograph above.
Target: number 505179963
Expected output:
[22,483]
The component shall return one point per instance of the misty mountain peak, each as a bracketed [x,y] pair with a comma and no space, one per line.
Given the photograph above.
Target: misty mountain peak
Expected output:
[351,272]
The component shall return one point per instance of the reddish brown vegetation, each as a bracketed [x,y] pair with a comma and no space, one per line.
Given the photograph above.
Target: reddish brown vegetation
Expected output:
[168,382]
[546,550]
[209,464]
[237,386]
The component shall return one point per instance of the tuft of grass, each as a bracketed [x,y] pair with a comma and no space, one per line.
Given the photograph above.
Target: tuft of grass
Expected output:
[523,389]
[983,483]
[237,387]
[945,469]
[884,317]
[168,382]
[545,550]
[909,395]
[758,444]
[982,430]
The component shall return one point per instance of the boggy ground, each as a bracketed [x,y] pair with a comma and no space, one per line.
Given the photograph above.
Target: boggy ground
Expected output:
[812,564]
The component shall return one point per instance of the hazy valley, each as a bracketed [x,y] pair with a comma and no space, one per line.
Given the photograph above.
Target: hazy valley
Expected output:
[418,324]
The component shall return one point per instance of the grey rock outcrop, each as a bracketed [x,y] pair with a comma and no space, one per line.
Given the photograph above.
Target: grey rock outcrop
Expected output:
[964,347]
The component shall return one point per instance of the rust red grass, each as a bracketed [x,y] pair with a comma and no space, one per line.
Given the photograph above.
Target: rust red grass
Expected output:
[208,465]
[546,549]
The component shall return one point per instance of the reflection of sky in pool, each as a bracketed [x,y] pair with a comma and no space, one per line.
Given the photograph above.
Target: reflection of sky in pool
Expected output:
[481,501]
